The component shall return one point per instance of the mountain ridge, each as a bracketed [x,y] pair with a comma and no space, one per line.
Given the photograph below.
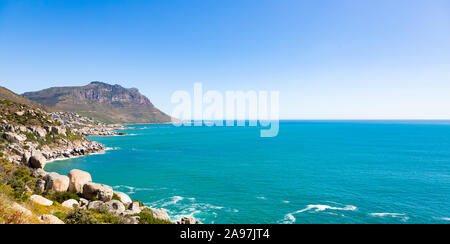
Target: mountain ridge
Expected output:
[6,94]
[102,101]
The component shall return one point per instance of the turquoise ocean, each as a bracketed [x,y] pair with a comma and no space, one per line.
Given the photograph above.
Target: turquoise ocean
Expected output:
[312,172]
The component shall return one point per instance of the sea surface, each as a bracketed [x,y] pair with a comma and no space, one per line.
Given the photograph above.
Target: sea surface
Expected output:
[312,172]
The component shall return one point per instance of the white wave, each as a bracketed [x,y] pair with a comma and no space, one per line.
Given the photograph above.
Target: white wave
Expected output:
[174,200]
[178,207]
[131,189]
[403,217]
[290,218]
[261,198]
[318,208]
[442,218]
[286,201]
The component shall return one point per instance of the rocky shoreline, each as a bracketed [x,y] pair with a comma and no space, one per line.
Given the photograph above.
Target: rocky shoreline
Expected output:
[94,195]
[32,138]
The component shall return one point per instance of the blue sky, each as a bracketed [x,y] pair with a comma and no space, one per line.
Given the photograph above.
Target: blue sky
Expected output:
[346,59]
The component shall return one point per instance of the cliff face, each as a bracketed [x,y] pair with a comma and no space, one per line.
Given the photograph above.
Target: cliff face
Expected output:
[104,102]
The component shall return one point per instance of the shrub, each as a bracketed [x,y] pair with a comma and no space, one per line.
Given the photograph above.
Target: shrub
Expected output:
[108,218]
[115,197]
[80,216]
[60,215]
[60,196]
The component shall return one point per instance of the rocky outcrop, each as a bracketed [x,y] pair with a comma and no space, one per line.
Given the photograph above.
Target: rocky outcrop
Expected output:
[77,180]
[133,208]
[37,161]
[57,182]
[160,214]
[124,198]
[188,221]
[115,207]
[97,191]
[133,220]
[12,137]
[50,219]
[71,203]
[36,199]
[96,205]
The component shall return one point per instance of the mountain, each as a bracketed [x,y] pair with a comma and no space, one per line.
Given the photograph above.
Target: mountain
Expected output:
[8,95]
[101,101]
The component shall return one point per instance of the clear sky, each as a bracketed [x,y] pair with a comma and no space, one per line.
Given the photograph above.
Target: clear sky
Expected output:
[346,59]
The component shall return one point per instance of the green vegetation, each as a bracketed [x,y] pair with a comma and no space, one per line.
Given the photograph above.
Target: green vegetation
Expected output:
[29,115]
[115,197]
[80,216]
[60,197]
[6,94]
[16,181]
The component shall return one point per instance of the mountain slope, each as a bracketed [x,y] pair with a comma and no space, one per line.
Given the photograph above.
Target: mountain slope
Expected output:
[101,101]
[8,95]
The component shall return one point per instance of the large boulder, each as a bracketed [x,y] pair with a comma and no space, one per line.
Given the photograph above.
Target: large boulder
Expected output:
[188,221]
[25,158]
[40,132]
[71,203]
[36,199]
[77,179]
[115,207]
[39,173]
[160,214]
[97,191]
[124,198]
[12,137]
[133,208]
[59,130]
[133,220]
[57,182]
[37,161]
[99,205]
[50,219]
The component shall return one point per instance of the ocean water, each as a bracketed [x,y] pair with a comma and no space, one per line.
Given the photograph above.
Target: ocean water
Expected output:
[312,172]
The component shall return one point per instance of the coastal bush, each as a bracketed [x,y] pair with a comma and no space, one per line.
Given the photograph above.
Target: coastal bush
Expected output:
[115,197]
[146,217]
[60,215]
[16,181]
[60,197]
[72,137]
[108,218]
[80,216]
